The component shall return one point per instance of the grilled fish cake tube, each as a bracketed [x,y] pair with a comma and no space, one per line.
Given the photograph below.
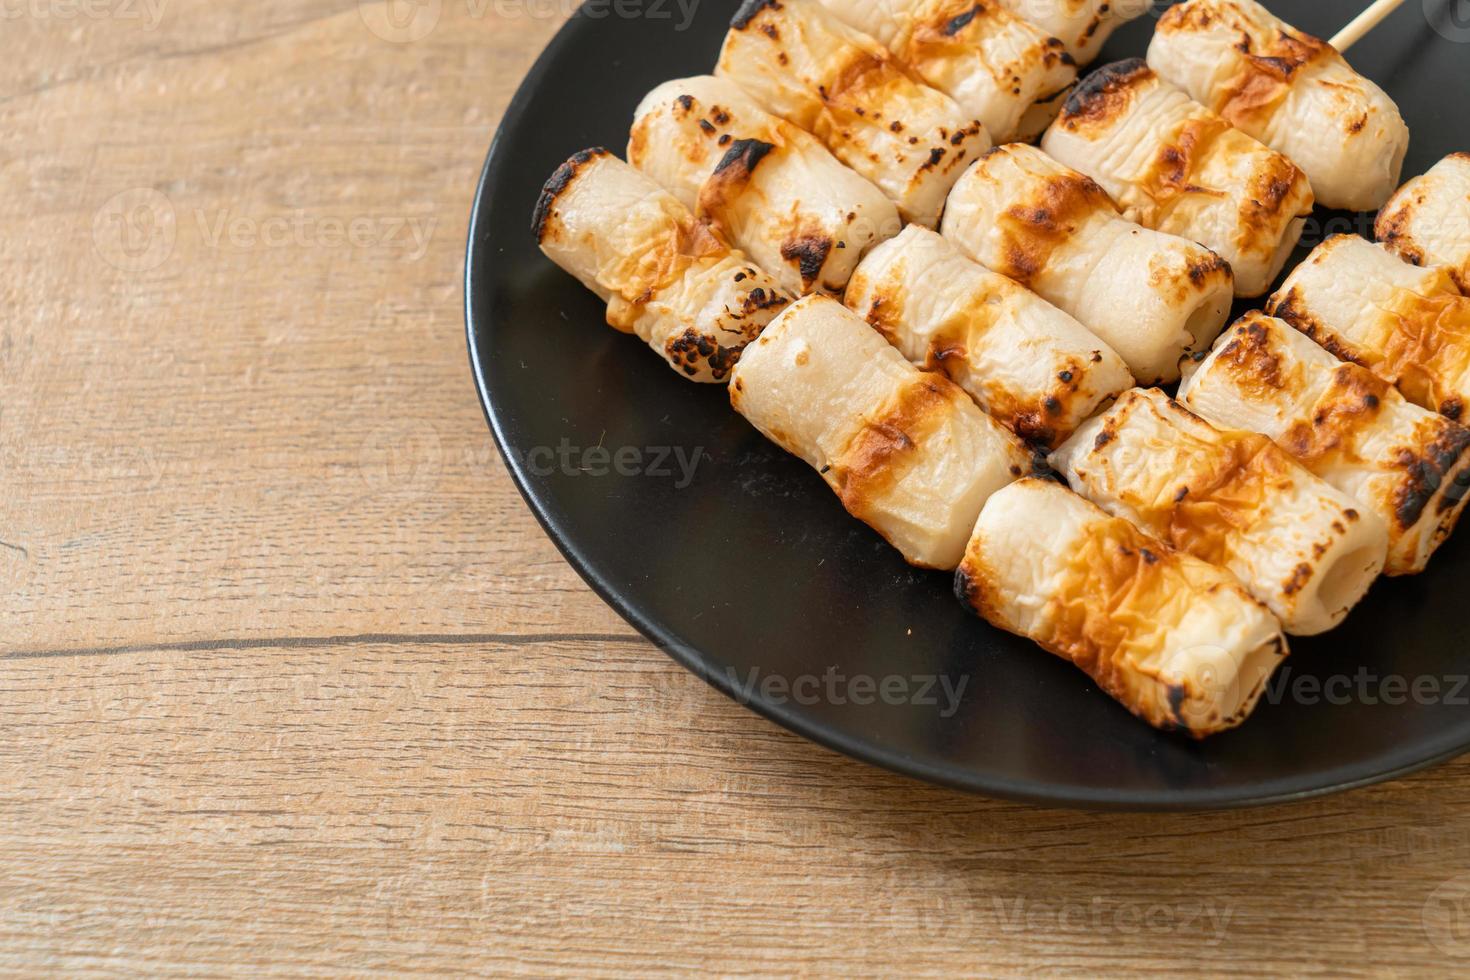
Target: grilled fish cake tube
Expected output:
[1174,165]
[1407,465]
[1152,297]
[1002,70]
[768,187]
[1291,91]
[1233,499]
[907,452]
[664,276]
[1032,367]
[1428,221]
[803,64]
[1175,639]
[1082,25]
[1410,326]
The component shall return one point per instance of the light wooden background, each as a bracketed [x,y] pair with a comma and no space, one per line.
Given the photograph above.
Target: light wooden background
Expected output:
[293,681]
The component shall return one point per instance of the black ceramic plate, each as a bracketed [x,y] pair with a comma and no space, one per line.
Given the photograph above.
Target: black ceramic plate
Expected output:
[748,571]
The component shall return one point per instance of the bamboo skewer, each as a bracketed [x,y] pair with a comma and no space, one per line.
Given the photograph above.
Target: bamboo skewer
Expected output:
[1363,23]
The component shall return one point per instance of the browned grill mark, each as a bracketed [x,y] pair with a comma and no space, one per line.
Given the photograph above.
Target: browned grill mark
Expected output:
[1300,576]
[1103,95]
[874,458]
[810,253]
[1206,268]
[1425,473]
[557,185]
[1253,364]
[1288,306]
[1392,230]
[1031,230]
[1268,65]
[1423,346]
[1351,403]
[740,161]
[1230,479]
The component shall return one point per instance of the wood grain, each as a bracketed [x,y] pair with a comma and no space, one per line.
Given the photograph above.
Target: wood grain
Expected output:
[294,683]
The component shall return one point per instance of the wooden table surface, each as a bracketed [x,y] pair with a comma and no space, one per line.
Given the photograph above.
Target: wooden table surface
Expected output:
[293,681]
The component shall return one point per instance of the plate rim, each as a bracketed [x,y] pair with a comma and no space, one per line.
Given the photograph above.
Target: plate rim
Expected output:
[1276,792]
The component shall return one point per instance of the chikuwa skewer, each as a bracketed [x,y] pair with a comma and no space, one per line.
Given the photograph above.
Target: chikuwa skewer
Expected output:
[1360,25]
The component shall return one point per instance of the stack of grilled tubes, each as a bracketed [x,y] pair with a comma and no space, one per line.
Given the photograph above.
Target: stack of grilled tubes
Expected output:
[769,187]
[737,172]
[1002,70]
[1234,499]
[1032,367]
[800,62]
[1153,296]
[1173,165]
[1407,465]
[1409,325]
[1291,91]
[906,451]
[1195,535]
